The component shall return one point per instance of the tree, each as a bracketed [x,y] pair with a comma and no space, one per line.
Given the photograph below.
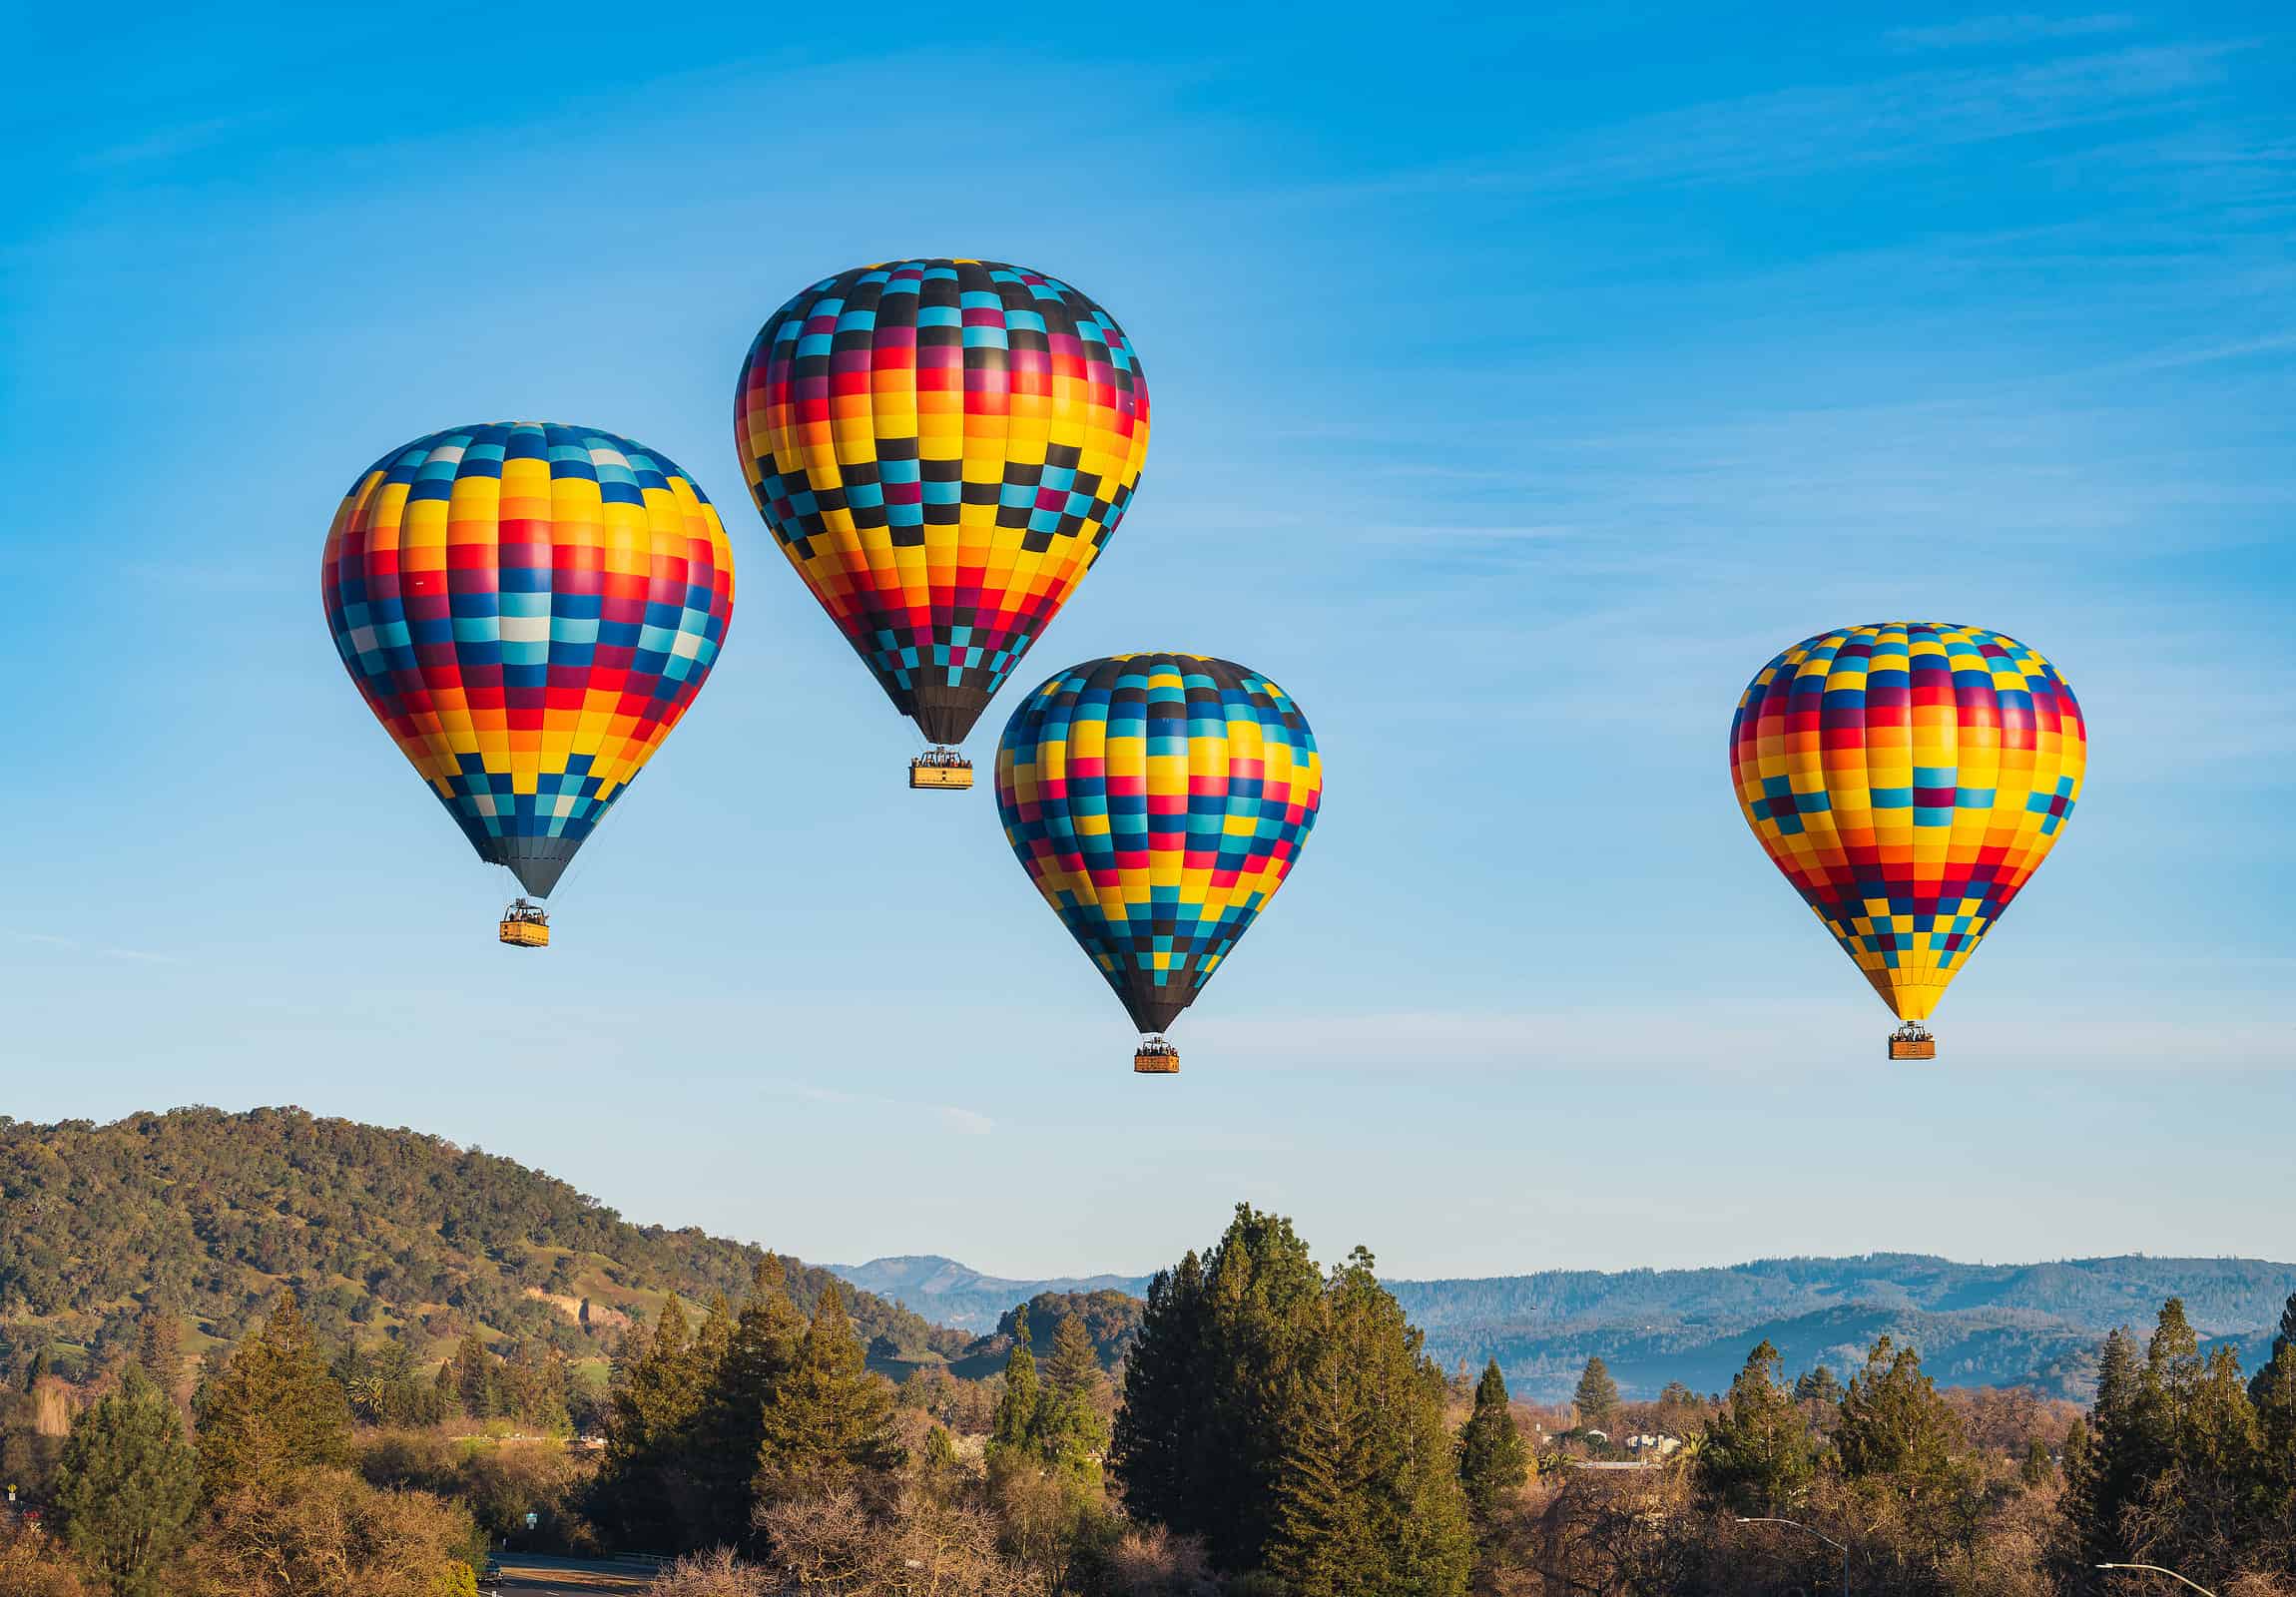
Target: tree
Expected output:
[1070,1429]
[1368,1495]
[1817,1385]
[474,1386]
[273,1410]
[1493,1460]
[1198,1440]
[729,1428]
[1291,1420]
[826,1425]
[1013,1431]
[158,1349]
[1894,1428]
[327,1533]
[642,1486]
[1597,1395]
[128,1485]
[1757,1457]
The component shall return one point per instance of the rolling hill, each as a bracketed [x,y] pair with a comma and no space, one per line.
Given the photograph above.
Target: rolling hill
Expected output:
[209,1215]
[1977,1324]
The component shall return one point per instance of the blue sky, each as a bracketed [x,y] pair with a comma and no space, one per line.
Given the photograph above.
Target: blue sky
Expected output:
[1522,384]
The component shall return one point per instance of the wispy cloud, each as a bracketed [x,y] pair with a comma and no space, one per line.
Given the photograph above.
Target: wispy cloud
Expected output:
[98,950]
[1578,1040]
[2018,28]
[1796,132]
[964,1122]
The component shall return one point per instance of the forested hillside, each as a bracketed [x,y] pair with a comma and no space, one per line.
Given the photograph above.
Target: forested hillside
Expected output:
[206,1216]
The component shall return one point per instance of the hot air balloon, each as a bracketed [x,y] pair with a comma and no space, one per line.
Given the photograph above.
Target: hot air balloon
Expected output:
[528,610]
[1158,801]
[941,450]
[1909,778]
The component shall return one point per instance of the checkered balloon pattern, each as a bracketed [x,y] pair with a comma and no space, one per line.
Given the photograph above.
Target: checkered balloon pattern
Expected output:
[1158,801]
[528,609]
[1909,778]
[942,449]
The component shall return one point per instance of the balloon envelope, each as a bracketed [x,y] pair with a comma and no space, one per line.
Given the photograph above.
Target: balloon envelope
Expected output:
[1908,778]
[528,610]
[941,450]
[1158,801]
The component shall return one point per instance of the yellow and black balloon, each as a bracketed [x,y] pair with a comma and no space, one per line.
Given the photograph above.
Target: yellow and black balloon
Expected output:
[1909,778]
[942,448]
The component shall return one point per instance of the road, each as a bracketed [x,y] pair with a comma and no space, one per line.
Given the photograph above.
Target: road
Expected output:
[533,1575]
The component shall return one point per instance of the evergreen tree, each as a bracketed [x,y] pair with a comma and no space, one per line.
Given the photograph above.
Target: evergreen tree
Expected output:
[1817,1385]
[1199,1439]
[1757,1457]
[2281,1343]
[1597,1395]
[128,1485]
[2103,1461]
[2038,1469]
[2273,1395]
[1368,1498]
[760,1348]
[643,1488]
[1895,1429]
[443,1389]
[273,1410]
[1493,1460]
[1068,1430]
[828,1422]
[1012,1433]
[158,1349]
[474,1383]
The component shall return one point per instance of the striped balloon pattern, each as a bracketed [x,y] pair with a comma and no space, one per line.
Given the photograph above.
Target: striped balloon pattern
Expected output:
[528,610]
[1908,778]
[941,450]
[1158,801]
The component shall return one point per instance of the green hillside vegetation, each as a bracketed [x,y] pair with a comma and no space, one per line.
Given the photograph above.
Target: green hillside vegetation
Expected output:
[1110,1319]
[208,1218]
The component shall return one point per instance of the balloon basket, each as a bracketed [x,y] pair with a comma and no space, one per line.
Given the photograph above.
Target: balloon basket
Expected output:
[1912,1042]
[941,767]
[1156,1057]
[525,925]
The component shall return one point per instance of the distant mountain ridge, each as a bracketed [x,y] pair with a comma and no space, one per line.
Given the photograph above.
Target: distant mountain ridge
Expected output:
[2031,1324]
[962,1296]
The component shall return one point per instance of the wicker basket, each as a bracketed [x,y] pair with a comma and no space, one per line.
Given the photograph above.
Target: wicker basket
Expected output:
[1913,1048]
[520,933]
[922,775]
[1156,1059]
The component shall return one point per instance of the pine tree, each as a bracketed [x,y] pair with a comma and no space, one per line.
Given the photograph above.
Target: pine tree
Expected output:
[1817,1385]
[642,1485]
[1494,1459]
[1757,1457]
[158,1349]
[1368,1498]
[2038,1468]
[128,1485]
[1597,1395]
[2103,1461]
[828,1424]
[1200,1440]
[1012,1433]
[1895,1429]
[1068,1430]
[474,1382]
[729,1428]
[274,1410]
